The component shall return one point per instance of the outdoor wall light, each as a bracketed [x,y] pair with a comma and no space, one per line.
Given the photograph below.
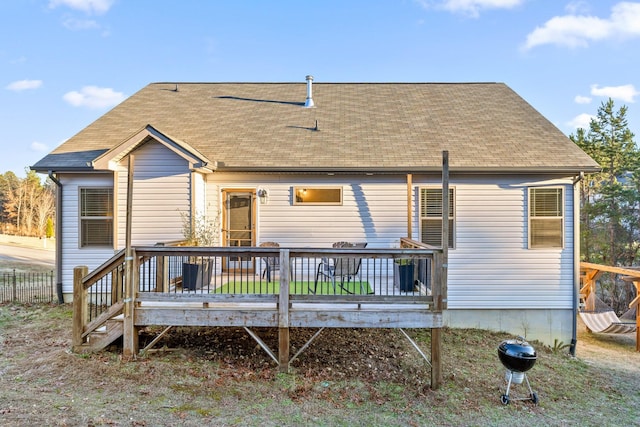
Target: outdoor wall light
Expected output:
[263,195]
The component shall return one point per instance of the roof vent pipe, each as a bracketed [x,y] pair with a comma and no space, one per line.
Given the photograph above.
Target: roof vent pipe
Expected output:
[309,102]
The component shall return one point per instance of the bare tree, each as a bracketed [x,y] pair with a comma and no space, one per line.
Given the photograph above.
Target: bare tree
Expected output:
[26,203]
[44,209]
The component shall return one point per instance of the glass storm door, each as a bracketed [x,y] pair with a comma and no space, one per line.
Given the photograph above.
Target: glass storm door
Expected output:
[239,219]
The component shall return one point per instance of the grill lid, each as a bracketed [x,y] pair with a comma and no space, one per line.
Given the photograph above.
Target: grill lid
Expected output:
[517,355]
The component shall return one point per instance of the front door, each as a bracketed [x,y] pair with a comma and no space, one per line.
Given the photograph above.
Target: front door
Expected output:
[239,224]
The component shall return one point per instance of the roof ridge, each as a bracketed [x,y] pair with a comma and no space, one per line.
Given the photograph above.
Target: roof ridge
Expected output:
[321,83]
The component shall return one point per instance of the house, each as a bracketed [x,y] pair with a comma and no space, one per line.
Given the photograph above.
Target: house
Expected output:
[307,164]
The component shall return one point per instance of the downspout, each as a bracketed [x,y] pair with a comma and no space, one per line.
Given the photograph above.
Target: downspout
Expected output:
[58,237]
[576,261]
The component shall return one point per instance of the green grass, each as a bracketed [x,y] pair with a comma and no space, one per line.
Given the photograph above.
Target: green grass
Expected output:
[296,288]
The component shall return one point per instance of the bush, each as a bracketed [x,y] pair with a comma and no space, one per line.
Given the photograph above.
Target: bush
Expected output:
[49,228]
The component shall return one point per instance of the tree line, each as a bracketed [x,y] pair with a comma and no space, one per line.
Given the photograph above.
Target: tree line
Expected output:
[27,205]
[610,200]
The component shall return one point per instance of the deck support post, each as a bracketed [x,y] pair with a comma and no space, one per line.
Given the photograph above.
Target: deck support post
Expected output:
[130,332]
[283,353]
[441,264]
[283,312]
[80,305]
[436,359]
[444,265]
[162,275]
[437,278]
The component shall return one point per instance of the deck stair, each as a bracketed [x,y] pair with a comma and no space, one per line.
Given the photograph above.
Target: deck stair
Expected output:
[103,337]
[103,331]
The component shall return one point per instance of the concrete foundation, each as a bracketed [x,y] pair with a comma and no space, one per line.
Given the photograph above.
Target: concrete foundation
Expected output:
[546,326]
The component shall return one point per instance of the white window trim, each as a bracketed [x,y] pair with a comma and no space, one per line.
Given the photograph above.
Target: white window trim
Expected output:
[452,214]
[298,188]
[561,217]
[80,217]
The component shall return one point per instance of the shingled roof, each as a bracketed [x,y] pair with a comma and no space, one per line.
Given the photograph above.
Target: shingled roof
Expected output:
[376,127]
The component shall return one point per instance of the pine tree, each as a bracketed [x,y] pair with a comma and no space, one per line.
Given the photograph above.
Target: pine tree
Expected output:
[610,200]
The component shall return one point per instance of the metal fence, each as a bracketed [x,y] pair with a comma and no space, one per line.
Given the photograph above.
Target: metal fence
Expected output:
[27,287]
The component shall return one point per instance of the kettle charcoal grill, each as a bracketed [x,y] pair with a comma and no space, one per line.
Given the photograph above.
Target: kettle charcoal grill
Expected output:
[518,356]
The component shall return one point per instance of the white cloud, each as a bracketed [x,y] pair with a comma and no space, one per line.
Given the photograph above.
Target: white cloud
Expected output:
[80,24]
[94,97]
[39,147]
[579,99]
[97,7]
[470,7]
[578,30]
[579,6]
[581,121]
[625,93]
[21,85]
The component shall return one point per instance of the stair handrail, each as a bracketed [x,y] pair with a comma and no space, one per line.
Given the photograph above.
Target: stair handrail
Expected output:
[92,309]
[105,267]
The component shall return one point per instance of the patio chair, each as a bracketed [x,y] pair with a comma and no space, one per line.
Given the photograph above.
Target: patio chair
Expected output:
[340,269]
[271,264]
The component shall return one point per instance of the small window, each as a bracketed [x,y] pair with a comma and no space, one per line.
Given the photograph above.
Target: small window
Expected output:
[546,218]
[431,216]
[96,217]
[317,195]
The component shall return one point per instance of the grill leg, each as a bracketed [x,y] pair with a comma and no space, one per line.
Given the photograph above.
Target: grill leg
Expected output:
[509,383]
[528,385]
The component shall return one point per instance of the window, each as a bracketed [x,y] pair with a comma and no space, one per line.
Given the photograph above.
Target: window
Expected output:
[317,196]
[431,216]
[96,217]
[546,220]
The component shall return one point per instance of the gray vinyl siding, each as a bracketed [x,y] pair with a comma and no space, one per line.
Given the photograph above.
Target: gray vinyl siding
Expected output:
[73,255]
[373,210]
[161,188]
[491,265]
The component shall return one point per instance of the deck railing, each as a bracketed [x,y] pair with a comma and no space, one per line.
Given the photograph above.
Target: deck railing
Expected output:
[231,270]
[409,274]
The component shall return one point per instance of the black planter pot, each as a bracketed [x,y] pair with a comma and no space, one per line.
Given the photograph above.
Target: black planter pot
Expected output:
[190,276]
[405,273]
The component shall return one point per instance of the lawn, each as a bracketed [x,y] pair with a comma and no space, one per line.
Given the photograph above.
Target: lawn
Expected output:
[346,377]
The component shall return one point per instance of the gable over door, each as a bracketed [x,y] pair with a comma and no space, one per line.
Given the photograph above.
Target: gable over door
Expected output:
[161,194]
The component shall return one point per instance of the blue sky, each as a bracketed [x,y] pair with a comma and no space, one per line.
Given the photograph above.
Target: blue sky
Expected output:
[64,63]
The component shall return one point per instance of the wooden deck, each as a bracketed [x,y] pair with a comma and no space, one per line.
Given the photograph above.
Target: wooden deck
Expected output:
[147,287]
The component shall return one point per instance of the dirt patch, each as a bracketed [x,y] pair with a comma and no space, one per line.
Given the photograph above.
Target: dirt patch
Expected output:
[604,350]
[335,355]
